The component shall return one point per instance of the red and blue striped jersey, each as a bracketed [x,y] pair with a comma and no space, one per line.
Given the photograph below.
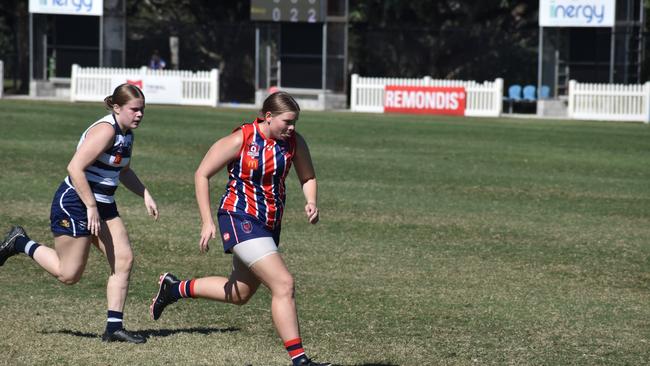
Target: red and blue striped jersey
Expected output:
[256,179]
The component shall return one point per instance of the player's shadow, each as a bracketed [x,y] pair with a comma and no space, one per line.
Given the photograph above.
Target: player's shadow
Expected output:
[194,330]
[148,333]
[368,364]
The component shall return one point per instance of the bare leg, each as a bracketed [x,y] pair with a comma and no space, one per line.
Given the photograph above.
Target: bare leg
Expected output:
[243,283]
[114,243]
[273,273]
[67,261]
[237,289]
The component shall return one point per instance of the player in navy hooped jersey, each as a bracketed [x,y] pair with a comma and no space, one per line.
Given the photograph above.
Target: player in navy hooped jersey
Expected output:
[84,210]
[258,157]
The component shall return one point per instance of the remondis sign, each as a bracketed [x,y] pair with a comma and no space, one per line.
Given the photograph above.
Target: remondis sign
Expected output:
[425,100]
[577,13]
[69,7]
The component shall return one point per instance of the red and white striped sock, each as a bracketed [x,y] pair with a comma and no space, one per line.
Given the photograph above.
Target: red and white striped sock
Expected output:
[184,289]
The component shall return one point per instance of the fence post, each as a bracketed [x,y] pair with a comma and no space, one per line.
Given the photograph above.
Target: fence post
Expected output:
[73,82]
[646,102]
[498,96]
[214,86]
[572,88]
[353,92]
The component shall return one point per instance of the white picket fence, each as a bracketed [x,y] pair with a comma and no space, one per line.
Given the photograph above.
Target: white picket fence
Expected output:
[609,102]
[483,99]
[93,84]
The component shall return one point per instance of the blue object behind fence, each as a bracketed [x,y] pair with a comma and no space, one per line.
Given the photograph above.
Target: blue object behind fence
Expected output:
[514,92]
[529,92]
[544,92]
[514,95]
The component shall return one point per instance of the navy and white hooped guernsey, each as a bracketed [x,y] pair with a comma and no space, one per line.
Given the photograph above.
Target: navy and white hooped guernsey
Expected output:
[104,174]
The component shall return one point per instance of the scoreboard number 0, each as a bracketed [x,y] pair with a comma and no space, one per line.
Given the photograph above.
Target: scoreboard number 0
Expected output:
[295,11]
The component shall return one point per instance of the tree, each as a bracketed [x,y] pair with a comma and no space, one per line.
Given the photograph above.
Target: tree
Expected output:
[211,35]
[444,39]
[14,42]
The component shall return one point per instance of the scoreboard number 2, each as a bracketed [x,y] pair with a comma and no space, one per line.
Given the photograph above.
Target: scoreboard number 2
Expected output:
[294,11]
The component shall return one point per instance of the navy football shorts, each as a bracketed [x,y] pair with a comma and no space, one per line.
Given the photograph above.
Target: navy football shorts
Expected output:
[238,227]
[69,216]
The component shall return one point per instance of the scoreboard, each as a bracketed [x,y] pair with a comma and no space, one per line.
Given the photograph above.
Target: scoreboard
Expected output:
[295,11]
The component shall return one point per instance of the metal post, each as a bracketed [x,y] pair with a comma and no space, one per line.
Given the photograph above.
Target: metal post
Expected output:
[611,55]
[257,56]
[345,49]
[556,72]
[268,68]
[628,34]
[324,64]
[31,48]
[123,15]
[540,57]
[641,47]
[101,41]
[45,63]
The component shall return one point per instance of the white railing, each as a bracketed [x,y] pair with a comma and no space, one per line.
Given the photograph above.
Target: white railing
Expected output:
[609,102]
[2,77]
[93,84]
[483,99]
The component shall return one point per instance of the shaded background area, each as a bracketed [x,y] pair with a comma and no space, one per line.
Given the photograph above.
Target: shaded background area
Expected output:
[442,39]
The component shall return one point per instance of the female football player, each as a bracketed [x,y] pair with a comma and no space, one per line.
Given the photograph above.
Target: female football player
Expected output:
[84,209]
[258,156]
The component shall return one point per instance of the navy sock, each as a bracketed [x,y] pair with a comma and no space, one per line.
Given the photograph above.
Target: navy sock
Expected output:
[25,245]
[183,289]
[114,321]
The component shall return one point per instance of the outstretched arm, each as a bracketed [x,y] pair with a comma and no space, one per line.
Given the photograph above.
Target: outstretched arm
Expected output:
[307,177]
[221,153]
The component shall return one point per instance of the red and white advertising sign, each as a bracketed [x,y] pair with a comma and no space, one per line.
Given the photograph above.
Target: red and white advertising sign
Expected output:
[425,99]
[157,89]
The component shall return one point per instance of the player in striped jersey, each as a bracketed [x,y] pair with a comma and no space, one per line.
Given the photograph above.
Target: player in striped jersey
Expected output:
[258,157]
[84,210]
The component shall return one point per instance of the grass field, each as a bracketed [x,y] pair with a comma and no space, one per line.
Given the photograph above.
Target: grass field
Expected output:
[442,241]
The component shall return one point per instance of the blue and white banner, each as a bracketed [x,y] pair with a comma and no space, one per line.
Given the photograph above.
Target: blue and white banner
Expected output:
[68,7]
[577,13]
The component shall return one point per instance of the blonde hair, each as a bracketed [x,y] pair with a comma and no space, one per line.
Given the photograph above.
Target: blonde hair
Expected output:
[278,103]
[122,95]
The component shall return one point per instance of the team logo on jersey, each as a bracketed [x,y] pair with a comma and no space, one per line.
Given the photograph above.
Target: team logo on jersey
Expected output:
[65,223]
[246,226]
[117,158]
[226,236]
[253,150]
[251,164]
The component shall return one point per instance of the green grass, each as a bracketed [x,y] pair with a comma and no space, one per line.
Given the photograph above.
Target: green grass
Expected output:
[442,241]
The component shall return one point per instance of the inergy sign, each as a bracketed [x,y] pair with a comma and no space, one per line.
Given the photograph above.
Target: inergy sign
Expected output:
[424,100]
[577,13]
[69,7]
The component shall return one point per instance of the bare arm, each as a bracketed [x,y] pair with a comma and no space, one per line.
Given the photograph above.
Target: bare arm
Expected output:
[307,177]
[97,140]
[221,153]
[131,181]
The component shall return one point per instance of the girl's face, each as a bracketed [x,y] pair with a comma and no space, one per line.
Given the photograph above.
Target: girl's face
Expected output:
[130,114]
[281,126]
